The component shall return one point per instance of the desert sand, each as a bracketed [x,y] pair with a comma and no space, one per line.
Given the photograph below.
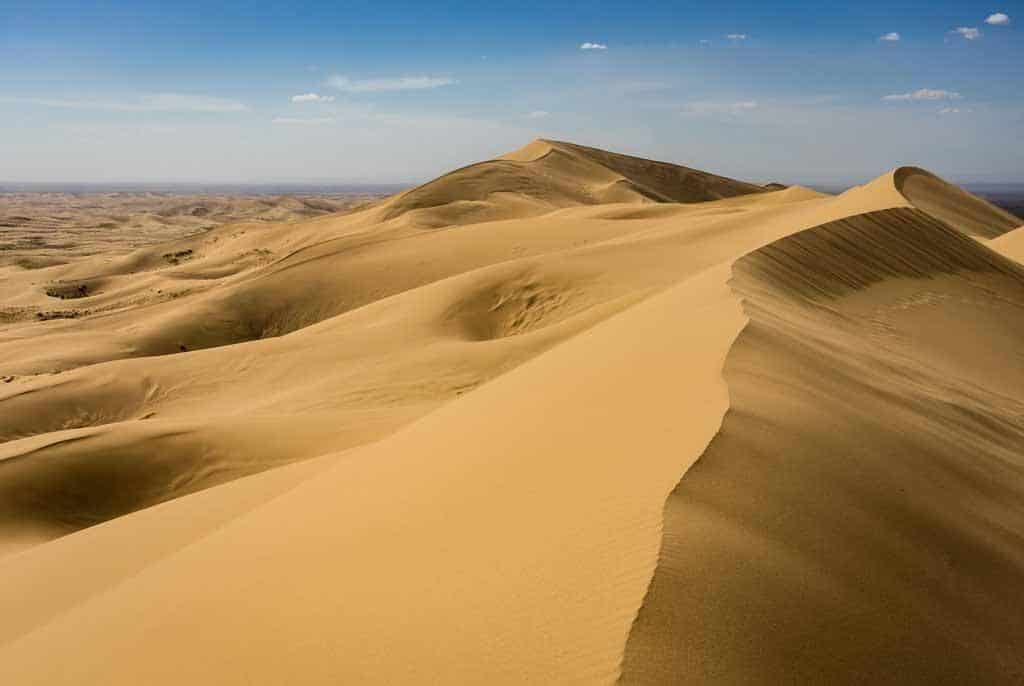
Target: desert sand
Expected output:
[564,416]
[42,229]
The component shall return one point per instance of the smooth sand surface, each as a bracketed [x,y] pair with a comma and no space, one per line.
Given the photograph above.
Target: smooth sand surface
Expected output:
[564,416]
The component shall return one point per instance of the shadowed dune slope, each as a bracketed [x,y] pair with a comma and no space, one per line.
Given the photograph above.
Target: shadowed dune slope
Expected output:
[562,417]
[857,519]
[952,205]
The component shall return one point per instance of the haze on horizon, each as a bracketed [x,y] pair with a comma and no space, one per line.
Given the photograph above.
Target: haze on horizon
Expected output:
[318,92]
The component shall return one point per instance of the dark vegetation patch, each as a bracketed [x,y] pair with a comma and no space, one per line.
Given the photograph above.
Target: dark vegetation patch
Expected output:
[40,262]
[67,291]
[177,257]
[46,315]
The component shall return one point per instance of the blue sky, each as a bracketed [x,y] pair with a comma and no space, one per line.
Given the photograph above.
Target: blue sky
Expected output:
[395,92]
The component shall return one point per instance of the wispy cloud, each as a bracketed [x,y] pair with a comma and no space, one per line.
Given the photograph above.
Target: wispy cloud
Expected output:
[736,36]
[924,94]
[998,19]
[400,83]
[712,108]
[703,41]
[891,37]
[161,102]
[949,110]
[967,32]
[538,114]
[303,121]
[312,97]
[593,46]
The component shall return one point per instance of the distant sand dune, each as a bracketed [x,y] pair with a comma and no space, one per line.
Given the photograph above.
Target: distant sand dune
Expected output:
[565,416]
[546,175]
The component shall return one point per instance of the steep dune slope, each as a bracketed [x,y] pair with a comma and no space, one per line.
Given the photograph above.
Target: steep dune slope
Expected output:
[608,417]
[857,517]
[954,206]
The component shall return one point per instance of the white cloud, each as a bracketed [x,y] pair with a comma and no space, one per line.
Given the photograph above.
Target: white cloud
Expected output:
[925,94]
[949,110]
[967,32]
[312,97]
[892,37]
[704,41]
[593,46]
[401,83]
[538,114]
[712,108]
[301,121]
[161,102]
[736,36]
[998,19]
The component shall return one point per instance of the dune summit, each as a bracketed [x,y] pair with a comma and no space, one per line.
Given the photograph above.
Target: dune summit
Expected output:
[565,416]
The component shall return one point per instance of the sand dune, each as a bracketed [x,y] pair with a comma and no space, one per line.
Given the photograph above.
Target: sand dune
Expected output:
[1010,244]
[857,517]
[566,416]
[546,175]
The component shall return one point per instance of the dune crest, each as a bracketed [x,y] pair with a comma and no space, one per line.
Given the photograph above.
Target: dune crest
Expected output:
[954,206]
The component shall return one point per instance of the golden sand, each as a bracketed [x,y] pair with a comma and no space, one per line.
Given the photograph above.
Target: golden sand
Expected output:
[561,417]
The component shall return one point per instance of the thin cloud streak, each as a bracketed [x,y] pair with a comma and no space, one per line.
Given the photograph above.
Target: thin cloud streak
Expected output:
[968,32]
[312,97]
[924,94]
[384,85]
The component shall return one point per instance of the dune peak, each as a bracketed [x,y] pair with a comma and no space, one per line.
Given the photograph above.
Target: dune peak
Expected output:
[545,175]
